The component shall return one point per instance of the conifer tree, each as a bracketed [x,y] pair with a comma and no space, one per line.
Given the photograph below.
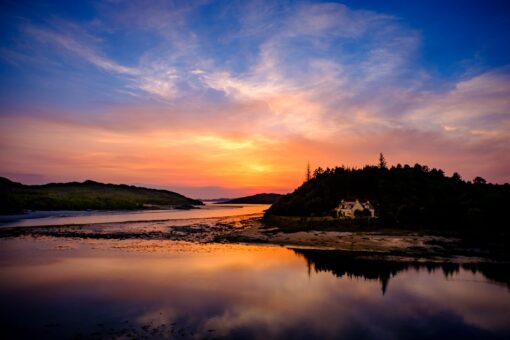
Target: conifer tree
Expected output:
[382,161]
[308,172]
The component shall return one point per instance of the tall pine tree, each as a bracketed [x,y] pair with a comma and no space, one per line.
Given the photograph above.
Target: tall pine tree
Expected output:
[382,161]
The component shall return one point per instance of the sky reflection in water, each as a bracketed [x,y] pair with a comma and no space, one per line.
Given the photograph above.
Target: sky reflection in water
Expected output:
[63,288]
[210,210]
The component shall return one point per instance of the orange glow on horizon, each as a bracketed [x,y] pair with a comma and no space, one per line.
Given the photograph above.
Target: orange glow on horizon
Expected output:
[195,162]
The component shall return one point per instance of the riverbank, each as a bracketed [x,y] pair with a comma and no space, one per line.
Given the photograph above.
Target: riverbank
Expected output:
[383,243]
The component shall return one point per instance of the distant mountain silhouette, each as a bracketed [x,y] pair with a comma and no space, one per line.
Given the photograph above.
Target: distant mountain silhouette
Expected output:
[17,197]
[255,199]
[215,200]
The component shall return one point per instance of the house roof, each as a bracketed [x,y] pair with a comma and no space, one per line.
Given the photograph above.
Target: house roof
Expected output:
[350,204]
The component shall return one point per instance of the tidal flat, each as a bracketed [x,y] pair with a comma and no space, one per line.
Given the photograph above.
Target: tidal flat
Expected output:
[232,276]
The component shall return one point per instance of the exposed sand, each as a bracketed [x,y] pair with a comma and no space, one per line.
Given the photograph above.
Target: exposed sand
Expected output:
[250,229]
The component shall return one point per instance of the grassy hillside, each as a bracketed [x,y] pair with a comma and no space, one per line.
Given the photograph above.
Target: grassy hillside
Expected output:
[255,199]
[403,196]
[16,197]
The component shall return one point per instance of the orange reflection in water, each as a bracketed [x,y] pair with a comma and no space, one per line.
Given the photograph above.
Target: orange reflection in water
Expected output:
[231,291]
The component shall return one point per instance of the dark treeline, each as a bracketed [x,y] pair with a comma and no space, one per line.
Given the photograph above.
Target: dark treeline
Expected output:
[408,196]
[17,197]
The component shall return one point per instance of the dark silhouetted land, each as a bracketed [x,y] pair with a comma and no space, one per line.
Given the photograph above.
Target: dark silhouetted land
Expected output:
[403,197]
[255,199]
[17,197]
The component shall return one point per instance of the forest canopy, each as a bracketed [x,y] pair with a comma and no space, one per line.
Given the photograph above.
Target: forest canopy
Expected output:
[402,196]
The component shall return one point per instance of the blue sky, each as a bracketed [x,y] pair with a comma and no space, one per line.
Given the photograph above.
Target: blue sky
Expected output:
[457,34]
[331,82]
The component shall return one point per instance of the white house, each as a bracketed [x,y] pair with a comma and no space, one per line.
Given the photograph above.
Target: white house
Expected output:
[346,209]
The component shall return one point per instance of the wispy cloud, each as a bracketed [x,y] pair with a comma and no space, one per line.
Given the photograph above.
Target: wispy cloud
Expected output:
[473,105]
[259,88]
[69,41]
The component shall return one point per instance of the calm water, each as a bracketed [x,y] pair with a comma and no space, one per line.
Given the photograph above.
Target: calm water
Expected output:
[64,288]
[42,218]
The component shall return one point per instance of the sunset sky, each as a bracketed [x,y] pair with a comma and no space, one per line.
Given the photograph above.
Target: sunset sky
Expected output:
[228,98]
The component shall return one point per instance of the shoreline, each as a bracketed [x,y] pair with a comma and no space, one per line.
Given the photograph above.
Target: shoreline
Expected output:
[389,244]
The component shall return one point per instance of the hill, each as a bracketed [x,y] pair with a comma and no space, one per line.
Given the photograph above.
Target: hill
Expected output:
[406,196]
[16,197]
[255,199]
